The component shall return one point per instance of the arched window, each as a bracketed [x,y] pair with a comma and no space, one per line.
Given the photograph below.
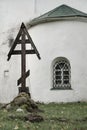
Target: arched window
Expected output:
[61,73]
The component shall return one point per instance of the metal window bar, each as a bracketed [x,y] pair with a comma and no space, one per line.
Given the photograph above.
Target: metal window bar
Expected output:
[61,75]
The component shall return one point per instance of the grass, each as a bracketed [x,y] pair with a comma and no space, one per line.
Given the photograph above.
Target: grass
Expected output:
[70,116]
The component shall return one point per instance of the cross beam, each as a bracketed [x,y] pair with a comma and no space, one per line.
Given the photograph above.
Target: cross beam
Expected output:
[22,40]
[18,52]
[24,76]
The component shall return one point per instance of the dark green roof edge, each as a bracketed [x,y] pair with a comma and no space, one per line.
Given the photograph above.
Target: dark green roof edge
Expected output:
[59,13]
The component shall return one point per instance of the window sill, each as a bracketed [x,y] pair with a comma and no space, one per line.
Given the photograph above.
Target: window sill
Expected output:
[61,89]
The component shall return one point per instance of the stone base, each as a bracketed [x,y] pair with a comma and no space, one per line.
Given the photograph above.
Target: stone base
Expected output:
[25,89]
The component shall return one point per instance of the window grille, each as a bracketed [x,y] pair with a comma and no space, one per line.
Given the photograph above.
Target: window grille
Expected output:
[61,74]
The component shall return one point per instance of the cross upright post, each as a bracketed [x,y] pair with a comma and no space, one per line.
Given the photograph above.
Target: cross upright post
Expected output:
[23,60]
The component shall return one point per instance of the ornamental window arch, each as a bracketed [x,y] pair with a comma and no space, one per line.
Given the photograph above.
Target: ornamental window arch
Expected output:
[61,73]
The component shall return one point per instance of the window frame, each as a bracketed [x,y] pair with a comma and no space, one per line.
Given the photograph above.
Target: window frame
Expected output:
[61,86]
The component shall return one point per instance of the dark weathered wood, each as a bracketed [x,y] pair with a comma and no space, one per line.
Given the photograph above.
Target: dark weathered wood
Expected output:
[23,60]
[24,76]
[23,38]
[26,41]
[18,41]
[18,52]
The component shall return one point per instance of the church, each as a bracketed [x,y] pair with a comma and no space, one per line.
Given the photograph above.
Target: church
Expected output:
[60,36]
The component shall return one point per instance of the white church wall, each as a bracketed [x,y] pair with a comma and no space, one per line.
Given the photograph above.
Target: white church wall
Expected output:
[55,39]
[9,72]
[12,14]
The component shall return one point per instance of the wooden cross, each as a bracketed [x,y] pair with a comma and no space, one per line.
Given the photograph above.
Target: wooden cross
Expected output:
[23,38]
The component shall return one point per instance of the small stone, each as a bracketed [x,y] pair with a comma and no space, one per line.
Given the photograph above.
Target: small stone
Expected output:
[19,110]
[8,107]
[20,101]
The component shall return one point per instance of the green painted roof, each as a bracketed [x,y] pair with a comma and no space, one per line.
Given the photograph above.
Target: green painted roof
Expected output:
[61,12]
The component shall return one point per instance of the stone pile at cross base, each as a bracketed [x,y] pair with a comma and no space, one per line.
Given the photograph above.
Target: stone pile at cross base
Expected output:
[23,103]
